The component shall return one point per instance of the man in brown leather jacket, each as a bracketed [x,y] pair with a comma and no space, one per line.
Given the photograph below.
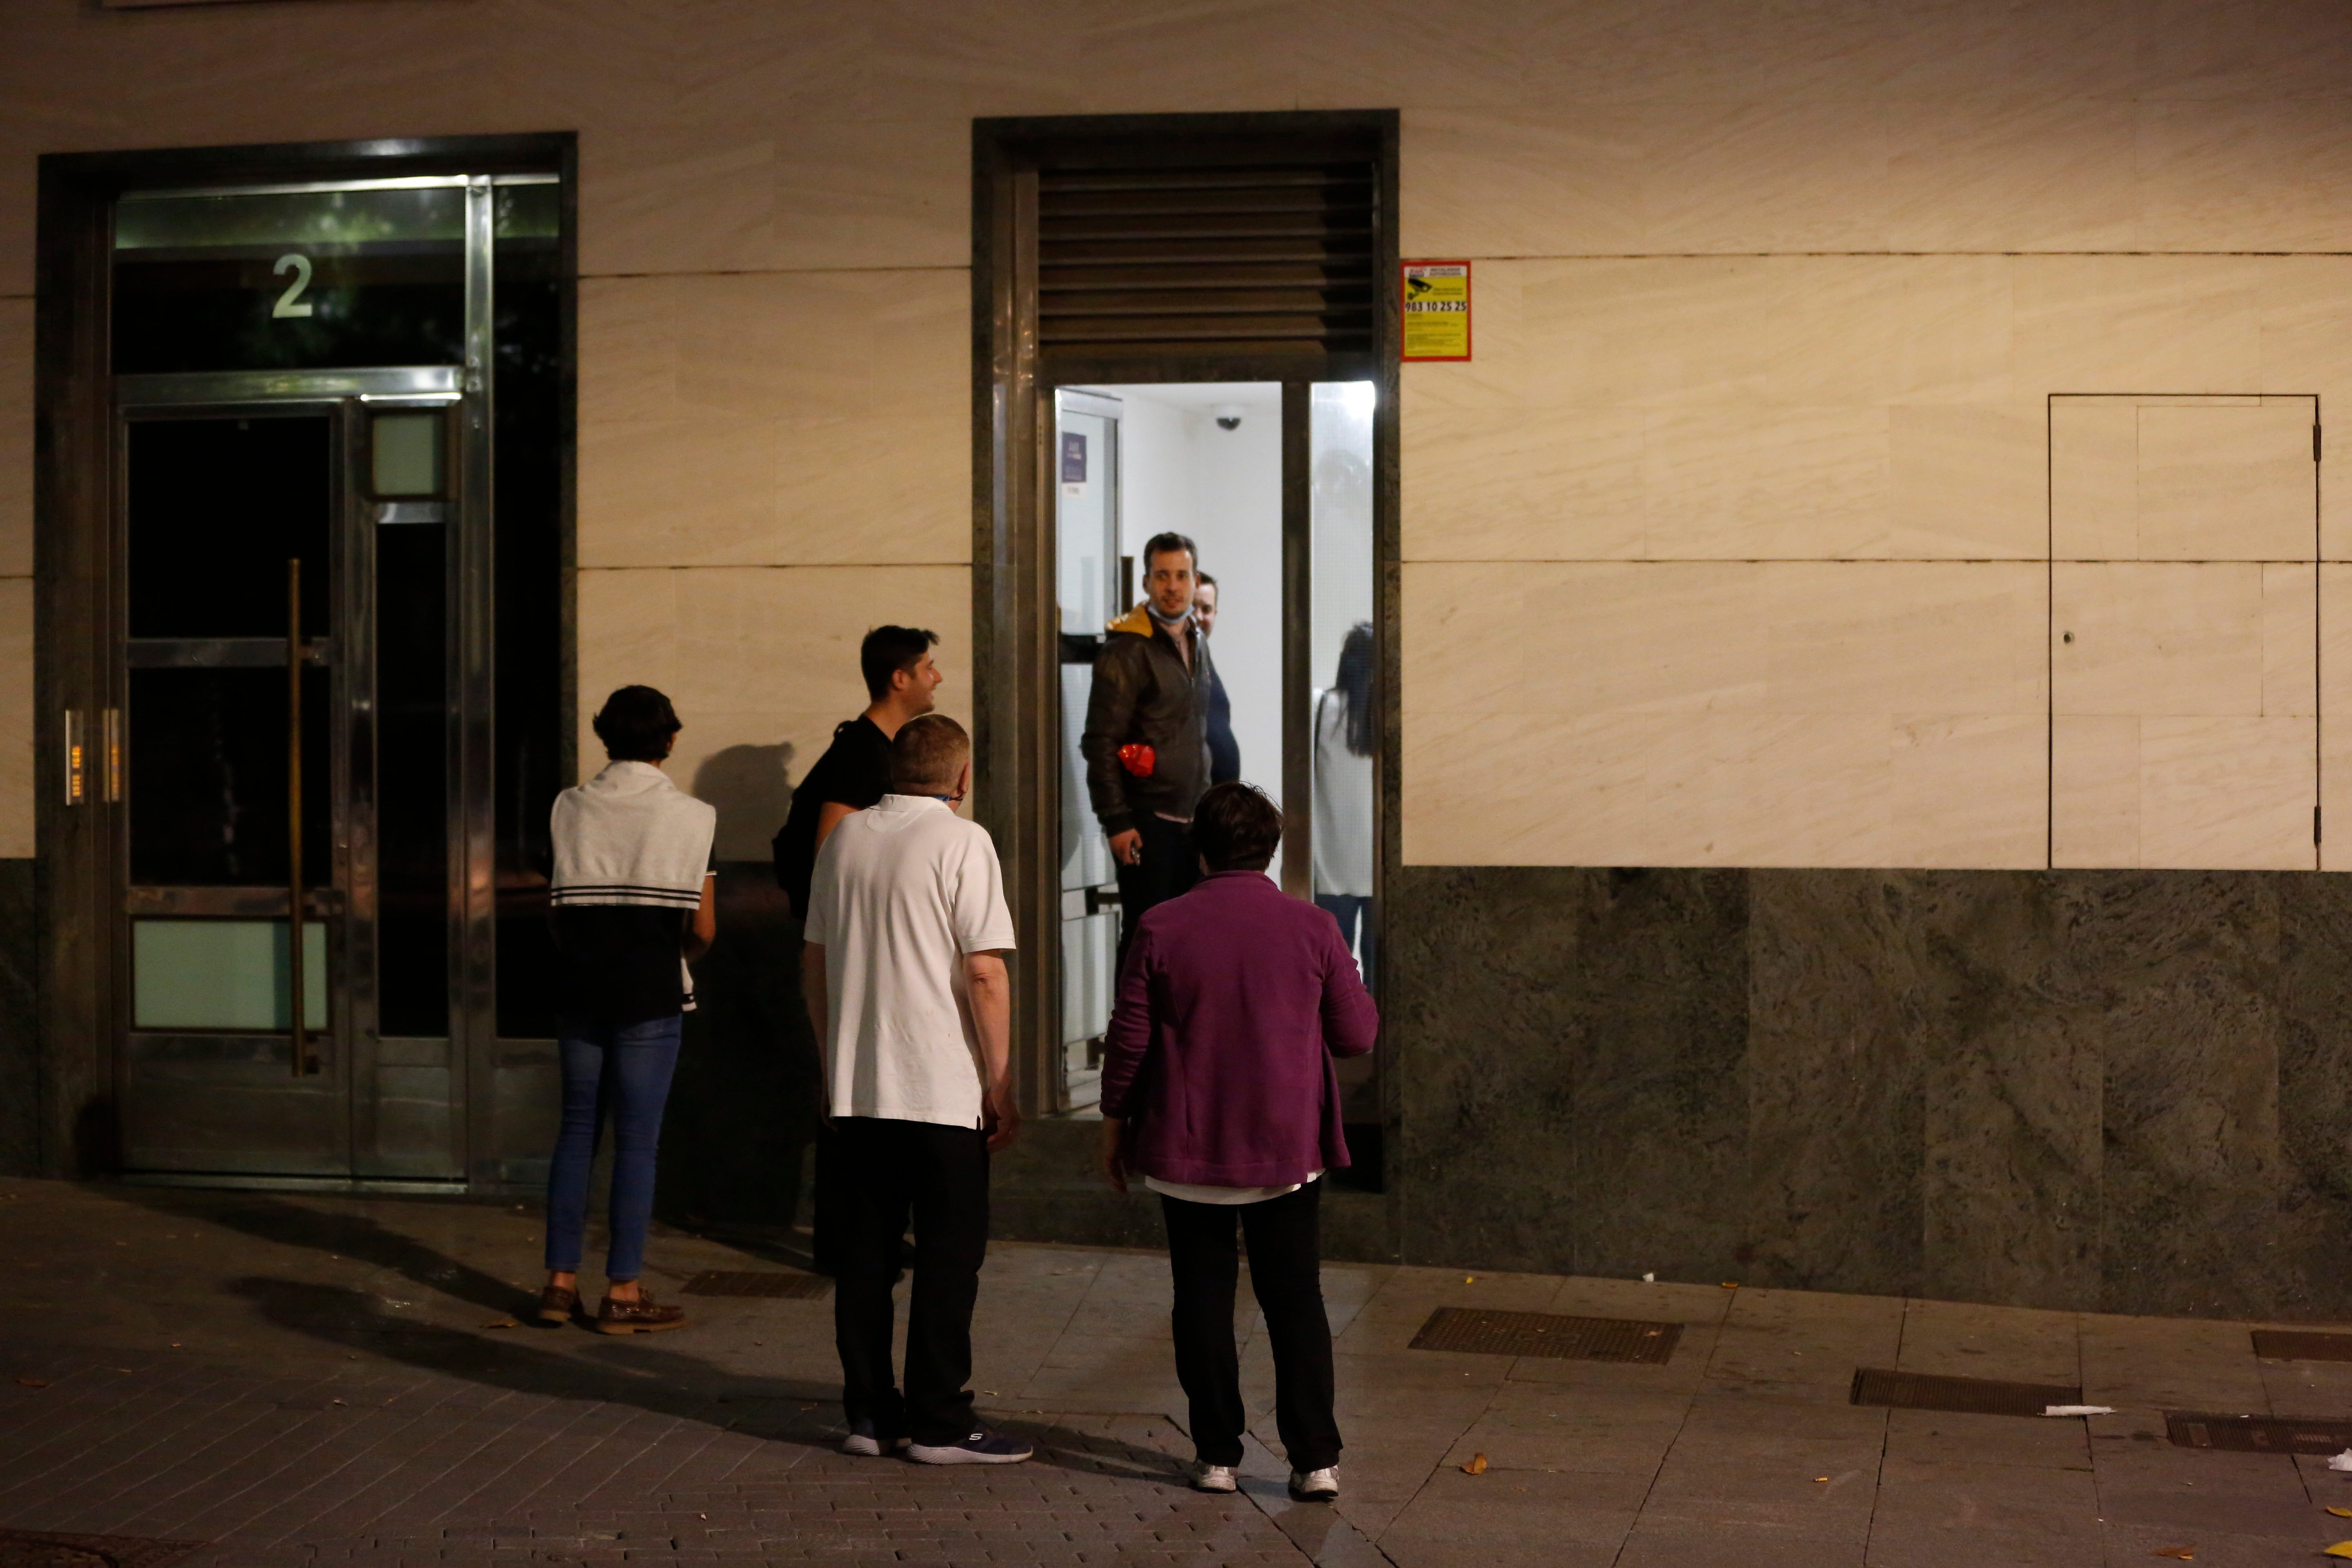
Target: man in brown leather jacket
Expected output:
[1147,736]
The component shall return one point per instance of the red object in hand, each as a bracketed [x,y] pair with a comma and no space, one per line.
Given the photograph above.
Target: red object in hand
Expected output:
[1138,759]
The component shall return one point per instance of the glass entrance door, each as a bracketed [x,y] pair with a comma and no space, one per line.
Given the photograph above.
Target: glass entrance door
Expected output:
[255,532]
[320,373]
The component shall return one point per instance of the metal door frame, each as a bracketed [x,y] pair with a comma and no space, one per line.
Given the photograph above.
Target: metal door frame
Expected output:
[83,1008]
[1015,693]
[348,902]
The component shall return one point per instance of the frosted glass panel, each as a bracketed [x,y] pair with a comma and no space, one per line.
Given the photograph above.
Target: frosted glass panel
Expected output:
[407,454]
[222,974]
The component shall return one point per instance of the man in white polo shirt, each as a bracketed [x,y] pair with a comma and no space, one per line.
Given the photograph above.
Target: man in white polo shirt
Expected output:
[904,973]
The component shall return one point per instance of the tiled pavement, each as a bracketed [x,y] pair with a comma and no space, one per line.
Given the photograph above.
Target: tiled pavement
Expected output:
[298,1380]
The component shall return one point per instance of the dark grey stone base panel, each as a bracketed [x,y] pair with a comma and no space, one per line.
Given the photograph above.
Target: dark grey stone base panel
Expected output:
[2118,1091]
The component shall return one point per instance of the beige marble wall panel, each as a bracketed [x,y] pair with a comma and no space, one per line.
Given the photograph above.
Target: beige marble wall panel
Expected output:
[1508,359]
[2304,306]
[1646,789]
[2136,324]
[774,419]
[1883,637]
[1723,789]
[761,658]
[1805,789]
[16,771]
[1596,636]
[2094,479]
[2157,639]
[1496,484]
[1647,737]
[1669,331]
[2094,771]
[1755,483]
[2290,639]
[2013,173]
[784,189]
[2227,482]
[1894,329]
[15,437]
[1967,482]
[1303,54]
[1537,789]
[2336,713]
[1772,176]
[2227,793]
[1559,180]
[1968,792]
[2264,50]
[2247,174]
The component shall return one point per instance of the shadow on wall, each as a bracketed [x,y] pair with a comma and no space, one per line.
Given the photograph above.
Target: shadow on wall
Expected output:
[751,787]
[742,1109]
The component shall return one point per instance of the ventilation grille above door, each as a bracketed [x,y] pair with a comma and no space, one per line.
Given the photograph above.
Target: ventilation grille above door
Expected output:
[1267,260]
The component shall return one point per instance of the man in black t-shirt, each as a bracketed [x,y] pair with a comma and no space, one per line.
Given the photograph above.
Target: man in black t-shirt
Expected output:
[854,772]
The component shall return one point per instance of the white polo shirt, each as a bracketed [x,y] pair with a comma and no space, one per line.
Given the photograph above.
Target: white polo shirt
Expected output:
[901,892]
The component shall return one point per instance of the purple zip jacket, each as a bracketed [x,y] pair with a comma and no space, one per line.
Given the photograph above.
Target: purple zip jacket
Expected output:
[1233,1000]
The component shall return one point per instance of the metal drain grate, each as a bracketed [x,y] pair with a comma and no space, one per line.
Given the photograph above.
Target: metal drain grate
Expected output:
[1541,1333]
[2259,1434]
[1961,1395]
[2293,1344]
[792,1286]
[38,1549]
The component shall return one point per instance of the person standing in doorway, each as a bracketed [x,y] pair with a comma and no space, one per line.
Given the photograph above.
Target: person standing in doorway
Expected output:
[1224,751]
[1343,795]
[907,987]
[631,903]
[1146,738]
[853,774]
[854,771]
[1218,1089]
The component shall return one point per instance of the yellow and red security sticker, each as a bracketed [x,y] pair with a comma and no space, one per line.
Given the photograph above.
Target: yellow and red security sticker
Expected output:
[1437,310]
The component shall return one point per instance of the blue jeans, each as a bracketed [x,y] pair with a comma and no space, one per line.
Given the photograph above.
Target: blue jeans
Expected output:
[621,1071]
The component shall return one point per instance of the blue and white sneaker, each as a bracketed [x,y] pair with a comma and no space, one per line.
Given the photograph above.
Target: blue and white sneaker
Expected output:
[979,1446]
[864,1442]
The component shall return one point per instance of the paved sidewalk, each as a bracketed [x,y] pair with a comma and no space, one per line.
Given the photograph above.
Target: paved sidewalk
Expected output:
[302,1380]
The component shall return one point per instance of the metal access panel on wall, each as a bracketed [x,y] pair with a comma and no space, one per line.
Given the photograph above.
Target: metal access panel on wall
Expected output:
[2185,632]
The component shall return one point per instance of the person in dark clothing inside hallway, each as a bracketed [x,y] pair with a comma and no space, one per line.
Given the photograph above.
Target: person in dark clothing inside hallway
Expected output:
[1218,1091]
[1224,751]
[853,774]
[1145,740]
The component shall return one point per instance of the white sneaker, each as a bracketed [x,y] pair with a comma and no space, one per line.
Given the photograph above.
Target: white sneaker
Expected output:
[1316,1486]
[1209,1478]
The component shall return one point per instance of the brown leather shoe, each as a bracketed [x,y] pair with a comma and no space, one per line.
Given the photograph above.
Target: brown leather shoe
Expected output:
[642,1316]
[557,1303]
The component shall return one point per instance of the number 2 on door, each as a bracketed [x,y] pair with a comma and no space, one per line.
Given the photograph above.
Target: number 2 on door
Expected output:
[300,266]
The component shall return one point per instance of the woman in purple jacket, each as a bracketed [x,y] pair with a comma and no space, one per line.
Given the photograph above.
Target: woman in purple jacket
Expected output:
[1218,1091]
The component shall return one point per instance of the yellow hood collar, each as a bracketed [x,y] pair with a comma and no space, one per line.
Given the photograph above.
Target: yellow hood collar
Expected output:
[1136,620]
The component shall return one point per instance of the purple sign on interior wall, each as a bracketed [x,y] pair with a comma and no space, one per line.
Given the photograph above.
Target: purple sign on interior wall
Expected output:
[1073,458]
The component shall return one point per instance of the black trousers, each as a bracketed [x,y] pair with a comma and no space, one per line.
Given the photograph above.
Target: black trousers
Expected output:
[889,1173]
[1170,866]
[1286,1274]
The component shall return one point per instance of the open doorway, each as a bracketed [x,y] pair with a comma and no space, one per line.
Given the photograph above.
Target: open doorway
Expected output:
[1204,461]
[1187,324]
